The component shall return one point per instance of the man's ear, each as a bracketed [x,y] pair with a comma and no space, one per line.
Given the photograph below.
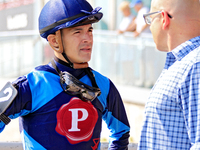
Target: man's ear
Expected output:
[55,41]
[165,20]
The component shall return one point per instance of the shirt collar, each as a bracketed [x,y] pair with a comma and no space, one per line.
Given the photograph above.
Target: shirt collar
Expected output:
[63,66]
[181,51]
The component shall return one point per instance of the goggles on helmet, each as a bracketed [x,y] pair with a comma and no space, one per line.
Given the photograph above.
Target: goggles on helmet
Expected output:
[73,86]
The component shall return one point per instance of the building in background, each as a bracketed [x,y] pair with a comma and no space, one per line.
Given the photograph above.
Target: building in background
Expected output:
[19,14]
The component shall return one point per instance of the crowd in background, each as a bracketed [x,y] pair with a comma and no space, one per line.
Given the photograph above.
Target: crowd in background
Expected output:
[130,22]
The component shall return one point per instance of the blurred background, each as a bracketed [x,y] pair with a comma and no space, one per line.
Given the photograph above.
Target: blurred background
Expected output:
[132,63]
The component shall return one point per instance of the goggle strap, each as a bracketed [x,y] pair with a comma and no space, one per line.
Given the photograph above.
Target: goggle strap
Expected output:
[91,76]
[65,56]
[87,70]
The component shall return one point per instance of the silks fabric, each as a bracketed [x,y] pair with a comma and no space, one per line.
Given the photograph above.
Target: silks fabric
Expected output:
[50,119]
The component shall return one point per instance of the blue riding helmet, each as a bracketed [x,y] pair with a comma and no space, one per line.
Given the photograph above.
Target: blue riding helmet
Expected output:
[59,14]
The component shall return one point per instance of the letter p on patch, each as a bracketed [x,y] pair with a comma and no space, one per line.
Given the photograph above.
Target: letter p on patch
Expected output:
[76,119]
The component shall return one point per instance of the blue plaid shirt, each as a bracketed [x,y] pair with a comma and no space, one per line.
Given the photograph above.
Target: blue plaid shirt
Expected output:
[172,113]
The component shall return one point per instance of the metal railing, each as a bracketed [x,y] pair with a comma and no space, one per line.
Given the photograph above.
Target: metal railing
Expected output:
[20,51]
[123,58]
[127,60]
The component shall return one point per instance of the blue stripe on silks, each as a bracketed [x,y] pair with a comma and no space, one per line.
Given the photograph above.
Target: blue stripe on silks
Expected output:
[85,79]
[22,113]
[104,85]
[2,126]
[30,143]
[44,87]
[115,126]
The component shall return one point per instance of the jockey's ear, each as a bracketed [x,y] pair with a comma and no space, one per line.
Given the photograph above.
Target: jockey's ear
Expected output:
[55,41]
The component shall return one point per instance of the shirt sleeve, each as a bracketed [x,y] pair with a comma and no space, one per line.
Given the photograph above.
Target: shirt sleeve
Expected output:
[116,120]
[189,98]
[21,105]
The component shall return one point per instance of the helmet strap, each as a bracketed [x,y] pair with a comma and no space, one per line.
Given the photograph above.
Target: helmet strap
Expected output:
[67,59]
[59,40]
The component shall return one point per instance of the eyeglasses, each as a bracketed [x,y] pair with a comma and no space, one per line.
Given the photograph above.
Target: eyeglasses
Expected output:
[148,19]
[73,86]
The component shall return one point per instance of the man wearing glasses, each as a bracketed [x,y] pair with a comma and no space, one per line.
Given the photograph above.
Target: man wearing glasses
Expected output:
[172,112]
